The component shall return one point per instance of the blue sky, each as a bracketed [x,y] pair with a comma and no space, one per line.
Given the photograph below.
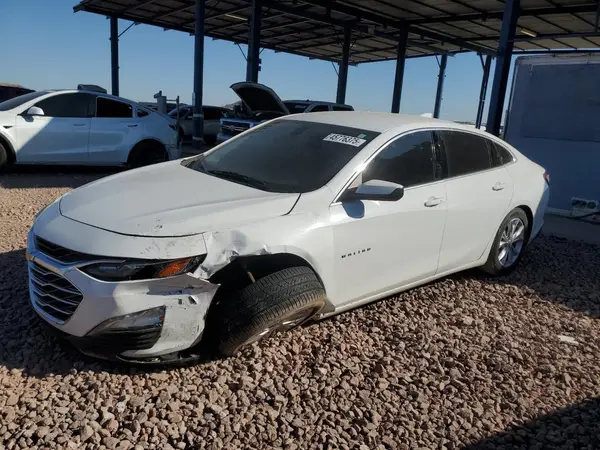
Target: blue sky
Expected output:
[46,45]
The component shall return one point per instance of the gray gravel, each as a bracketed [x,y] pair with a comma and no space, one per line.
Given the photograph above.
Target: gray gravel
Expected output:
[463,362]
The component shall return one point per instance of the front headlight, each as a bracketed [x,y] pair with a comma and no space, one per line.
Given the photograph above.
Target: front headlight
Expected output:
[132,270]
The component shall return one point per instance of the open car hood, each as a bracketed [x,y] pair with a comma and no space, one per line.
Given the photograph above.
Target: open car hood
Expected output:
[258,97]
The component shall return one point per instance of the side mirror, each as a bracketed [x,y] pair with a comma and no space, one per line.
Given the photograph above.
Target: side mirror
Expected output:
[34,111]
[378,190]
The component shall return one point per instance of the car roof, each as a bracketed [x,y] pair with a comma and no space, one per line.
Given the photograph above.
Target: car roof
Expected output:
[376,121]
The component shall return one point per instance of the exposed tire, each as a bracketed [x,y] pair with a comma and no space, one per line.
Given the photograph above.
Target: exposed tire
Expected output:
[146,153]
[210,139]
[3,156]
[509,244]
[278,302]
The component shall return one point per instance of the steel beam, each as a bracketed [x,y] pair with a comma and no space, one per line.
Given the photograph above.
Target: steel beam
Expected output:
[343,72]
[483,91]
[502,69]
[400,62]
[253,57]
[114,54]
[198,116]
[440,87]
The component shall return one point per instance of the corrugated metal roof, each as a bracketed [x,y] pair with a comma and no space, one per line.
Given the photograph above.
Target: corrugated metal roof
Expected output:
[314,28]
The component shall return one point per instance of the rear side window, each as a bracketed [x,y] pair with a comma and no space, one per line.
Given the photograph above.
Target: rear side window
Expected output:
[105,107]
[500,155]
[408,161]
[67,105]
[465,153]
[212,113]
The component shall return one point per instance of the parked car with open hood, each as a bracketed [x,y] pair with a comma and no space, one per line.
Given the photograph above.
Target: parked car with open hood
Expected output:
[84,128]
[261,103]
[212,121]
[300,218]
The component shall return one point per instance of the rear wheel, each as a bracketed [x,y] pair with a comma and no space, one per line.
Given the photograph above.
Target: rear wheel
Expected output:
[509,244]
[146,153]
[3,156]
[278,302]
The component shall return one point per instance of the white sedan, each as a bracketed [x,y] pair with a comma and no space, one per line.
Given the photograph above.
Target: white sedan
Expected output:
[299,218]
[84,128]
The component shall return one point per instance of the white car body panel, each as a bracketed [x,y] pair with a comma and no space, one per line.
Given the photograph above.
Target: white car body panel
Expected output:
[382,248]
[47,139]
[82,140]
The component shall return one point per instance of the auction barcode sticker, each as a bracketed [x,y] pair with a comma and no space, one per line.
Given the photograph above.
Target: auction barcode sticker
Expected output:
[343,139]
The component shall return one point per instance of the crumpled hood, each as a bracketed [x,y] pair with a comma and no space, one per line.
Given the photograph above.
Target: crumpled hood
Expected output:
[167,199]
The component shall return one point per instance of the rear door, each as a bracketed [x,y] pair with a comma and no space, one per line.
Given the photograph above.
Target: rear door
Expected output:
[60,135]
[114,131]
[478,192]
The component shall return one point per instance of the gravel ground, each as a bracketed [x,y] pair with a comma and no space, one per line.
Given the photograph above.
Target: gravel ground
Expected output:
[466,362]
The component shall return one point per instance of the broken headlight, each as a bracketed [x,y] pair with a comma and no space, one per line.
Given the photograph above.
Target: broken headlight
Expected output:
[132,270]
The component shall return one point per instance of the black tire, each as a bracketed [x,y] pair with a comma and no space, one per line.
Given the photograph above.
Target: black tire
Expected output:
[240,318]
[493,266]
[146,153]
[210,139]
[3,156]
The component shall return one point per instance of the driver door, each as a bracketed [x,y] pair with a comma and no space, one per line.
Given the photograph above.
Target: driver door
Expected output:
[60,135]
[383,245]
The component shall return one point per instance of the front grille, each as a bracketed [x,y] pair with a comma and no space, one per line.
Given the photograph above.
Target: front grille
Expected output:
[234,128]
[60,254]
[52,293]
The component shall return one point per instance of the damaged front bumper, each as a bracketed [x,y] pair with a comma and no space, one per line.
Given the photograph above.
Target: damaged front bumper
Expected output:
[131,320]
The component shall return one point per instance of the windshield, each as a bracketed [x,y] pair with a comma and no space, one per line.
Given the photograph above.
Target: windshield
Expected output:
[285,155]
[20,100]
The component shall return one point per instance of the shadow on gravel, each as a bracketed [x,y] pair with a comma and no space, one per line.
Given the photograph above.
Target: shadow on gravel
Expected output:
[26,343]
[574,427]
[27,177]
[559,271]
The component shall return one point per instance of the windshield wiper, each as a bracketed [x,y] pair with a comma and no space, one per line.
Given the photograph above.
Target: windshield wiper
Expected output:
[237,177]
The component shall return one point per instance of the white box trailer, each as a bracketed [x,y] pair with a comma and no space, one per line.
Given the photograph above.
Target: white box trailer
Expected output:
[554,118]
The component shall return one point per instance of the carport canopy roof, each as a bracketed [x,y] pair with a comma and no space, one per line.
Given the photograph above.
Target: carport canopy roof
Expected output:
[315,28]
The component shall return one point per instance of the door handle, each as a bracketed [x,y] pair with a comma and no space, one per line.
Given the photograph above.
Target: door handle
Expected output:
[433,201]
[132,126]
[79,124]
[499,186]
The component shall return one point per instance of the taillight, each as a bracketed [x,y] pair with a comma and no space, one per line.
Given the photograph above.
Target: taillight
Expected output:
[547,178]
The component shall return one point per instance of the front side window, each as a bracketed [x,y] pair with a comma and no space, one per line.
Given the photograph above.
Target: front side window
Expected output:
[341,108]
[67,105]
[465,152]
[409,161]
[108,108]
[285,155]
[319,108]
[295,108]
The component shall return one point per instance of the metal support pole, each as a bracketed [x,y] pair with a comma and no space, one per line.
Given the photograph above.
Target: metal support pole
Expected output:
[198,116]
[343,72]
[440,87]
[253,58]
[483,91]
[114,54]
[400,60]
[502,69]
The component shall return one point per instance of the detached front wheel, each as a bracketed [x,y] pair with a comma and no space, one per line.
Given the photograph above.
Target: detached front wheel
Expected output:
[278,302]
